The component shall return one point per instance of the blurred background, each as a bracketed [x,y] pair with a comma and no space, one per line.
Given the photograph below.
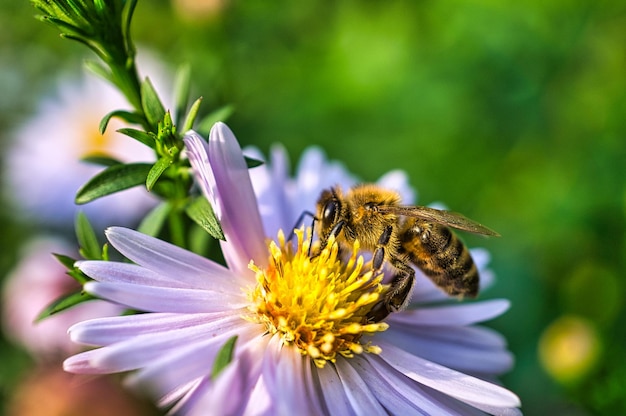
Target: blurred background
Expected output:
[513,114]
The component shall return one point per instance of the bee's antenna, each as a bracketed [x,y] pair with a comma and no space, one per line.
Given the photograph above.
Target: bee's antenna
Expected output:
[299,221]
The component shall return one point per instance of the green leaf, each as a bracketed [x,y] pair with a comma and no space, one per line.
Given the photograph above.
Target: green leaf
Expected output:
[87,240]
[141,136]
[113,179]
[63,303]
[157,170]
[200,211]
[224,357]
[221,114]
[191,115]
[152,106]
[252,163]
[199,240]
[67,261]
[127,116]
[101,160]
[153,222]
[100,70]
[181,91]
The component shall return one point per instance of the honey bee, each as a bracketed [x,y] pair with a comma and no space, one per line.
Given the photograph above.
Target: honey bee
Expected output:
[400,235]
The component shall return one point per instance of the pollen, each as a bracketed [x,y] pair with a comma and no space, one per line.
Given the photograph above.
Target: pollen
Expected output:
[317,303]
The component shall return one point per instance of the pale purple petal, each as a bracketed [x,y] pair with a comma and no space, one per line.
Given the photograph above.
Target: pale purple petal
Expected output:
[453,383]
[168,259]
[149,349]
[360,396]
[458,315]
[233,390]
[184,399]
[191,360]
[283,375]
[223,176]
[402,396]
[332,391]
[273,191]
[473,350]
[398,181]
[158,299]
[314,174]
[106,331]
[81,363]
[112,272]
[240,216]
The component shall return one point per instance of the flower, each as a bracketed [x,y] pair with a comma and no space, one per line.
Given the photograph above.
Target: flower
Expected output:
[57,393]
[301,345]
[36,281]
[43,171]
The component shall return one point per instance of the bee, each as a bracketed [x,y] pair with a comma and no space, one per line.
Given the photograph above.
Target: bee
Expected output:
[400,236]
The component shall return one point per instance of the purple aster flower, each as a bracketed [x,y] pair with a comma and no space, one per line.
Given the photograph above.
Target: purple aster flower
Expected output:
[302,343]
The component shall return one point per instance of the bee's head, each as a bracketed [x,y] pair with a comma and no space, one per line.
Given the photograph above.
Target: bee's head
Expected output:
[330,212]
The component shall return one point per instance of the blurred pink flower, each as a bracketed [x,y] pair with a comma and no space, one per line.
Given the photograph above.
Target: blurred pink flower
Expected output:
[37,280]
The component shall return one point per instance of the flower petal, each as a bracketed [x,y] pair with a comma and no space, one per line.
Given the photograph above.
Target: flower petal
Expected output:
[469,349]
[273,191]
[360,396]
[228,185]
[333,392]
[458,385]
[106,331]
[398,181]
[283,374]
[81,363]
[150,349]
[170,260]
[461,314]
[314,174]
[113,272]
[159,299]
[400,395]
[190,360]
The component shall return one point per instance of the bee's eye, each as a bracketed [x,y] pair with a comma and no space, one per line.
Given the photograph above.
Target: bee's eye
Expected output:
[330,211]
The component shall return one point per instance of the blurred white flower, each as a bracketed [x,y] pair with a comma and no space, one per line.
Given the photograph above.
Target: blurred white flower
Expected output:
[36,281]
[43,170]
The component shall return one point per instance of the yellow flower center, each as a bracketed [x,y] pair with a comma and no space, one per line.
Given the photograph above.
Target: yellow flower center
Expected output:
[317,303]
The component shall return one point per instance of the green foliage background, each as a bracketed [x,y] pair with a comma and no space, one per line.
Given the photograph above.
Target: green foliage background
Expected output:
[513,113]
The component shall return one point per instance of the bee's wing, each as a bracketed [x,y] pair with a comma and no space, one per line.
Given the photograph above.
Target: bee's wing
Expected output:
[448,218]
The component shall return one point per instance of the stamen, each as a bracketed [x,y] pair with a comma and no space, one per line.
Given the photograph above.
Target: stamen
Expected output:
[318,304]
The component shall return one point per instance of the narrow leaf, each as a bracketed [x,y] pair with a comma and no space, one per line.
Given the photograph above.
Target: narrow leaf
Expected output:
[153,222]
[101,160]
[113,179]
[63,303]
[224,357]
[157,170]
[191,115]
[100,70]
[152,106]
[221,114]
[140,136]
[201,212]
[66,261]
[181,91]
[86,236]
[252,163]
[128,116]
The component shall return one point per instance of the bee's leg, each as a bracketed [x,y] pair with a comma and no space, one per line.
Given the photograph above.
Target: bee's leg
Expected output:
[379,253]
[324,240]
[398,295]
